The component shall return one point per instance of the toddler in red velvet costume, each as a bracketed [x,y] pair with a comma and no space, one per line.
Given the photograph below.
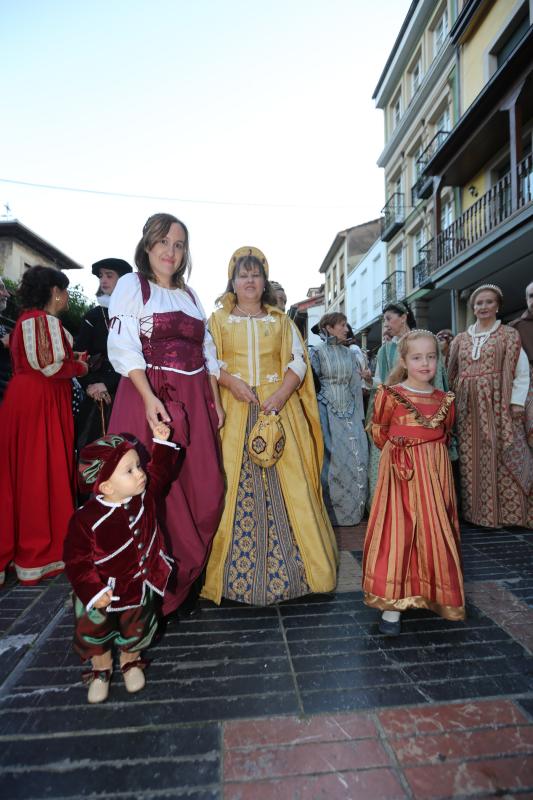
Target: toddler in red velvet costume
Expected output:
[115,558]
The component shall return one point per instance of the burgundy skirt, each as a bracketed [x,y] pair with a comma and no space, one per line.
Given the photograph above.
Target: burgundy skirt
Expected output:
[193,506]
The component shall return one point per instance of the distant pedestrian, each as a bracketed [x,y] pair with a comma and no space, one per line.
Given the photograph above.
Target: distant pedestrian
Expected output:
[398,319]
[281,297]
[115,559]
[411,553]
[101,381]
[37,432]
[445,338]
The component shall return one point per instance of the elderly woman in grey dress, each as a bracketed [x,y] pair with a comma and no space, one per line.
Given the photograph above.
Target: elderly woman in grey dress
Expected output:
[340,402]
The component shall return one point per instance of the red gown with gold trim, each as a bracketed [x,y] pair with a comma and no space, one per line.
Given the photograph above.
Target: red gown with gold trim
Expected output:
[412,546]
[37,447]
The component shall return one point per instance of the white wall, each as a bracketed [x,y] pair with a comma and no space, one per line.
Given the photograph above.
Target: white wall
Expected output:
[363,288]
[313,316]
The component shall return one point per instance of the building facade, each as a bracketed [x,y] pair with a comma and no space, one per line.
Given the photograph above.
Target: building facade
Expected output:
[21,248]
[307,313]
[345,252]
[457,98]
[364,295]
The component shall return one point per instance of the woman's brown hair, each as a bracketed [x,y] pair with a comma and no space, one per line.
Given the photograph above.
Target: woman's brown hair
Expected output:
[331,319]
[156,228]
[399,373]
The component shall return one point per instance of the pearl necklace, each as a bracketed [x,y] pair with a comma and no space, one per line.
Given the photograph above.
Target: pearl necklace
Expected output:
[246,314]
[481,338]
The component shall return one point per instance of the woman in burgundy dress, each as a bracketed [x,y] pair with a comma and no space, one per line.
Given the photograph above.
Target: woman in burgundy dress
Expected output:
[37,432]
[159,342]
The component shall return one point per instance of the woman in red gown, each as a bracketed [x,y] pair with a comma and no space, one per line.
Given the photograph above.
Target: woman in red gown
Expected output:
[37,432]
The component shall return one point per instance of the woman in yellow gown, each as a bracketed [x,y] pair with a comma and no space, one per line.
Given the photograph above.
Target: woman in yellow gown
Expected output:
[275,541]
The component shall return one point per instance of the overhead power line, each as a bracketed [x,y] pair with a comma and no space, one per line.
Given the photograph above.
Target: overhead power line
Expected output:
[133,196]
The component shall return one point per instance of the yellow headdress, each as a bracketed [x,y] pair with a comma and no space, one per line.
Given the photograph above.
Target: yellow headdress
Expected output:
[242,252]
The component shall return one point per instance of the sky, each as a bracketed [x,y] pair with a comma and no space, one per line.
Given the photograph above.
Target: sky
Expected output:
[251,120]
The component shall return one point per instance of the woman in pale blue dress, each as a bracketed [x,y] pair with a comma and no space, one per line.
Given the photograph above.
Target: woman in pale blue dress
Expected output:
[340,403]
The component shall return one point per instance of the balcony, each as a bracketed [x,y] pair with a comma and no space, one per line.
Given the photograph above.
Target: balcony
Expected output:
[393,216]
[421,272]
[424,185]
[484,216]
[393,288]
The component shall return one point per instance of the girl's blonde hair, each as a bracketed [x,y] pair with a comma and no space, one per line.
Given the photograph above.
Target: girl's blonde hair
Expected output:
[399,373]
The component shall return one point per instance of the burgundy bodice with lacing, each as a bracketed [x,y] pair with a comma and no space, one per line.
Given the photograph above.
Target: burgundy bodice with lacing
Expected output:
[176,340]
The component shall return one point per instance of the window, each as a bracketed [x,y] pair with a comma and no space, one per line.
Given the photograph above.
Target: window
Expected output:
[416,167]
[377,297]
[398,259]
[418,244]
[446,215]
[342,281]
[512,35]
[328,292]
[416,76]
[396,111]
[334,282]
[353,322]
[396,190]
[440,31]
[443,122]
[442,127]
[364,309]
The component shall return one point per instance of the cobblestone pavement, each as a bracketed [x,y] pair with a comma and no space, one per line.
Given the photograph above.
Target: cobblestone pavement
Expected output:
[301,701]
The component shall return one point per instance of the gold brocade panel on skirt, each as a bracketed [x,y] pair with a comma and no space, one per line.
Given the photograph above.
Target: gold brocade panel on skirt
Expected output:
[264,565]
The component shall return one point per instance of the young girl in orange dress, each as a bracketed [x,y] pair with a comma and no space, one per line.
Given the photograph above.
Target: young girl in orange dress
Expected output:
[412,549]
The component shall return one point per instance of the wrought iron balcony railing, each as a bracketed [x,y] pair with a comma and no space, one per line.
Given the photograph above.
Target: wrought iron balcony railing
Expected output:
[393,216]
[427,154]
[421,272]
[393,287]
[486,214]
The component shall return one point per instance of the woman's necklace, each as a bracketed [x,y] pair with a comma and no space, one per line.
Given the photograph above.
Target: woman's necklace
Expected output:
[418,391]
[246,314]
[479,338]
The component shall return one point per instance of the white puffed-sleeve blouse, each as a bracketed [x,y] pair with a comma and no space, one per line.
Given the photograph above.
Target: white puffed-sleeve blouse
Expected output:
[127,314]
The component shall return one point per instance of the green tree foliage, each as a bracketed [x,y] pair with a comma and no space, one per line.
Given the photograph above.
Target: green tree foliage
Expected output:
[78,306]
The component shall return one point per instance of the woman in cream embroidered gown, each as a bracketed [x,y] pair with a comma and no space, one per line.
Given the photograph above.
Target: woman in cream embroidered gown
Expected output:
[275,541]
[489,373]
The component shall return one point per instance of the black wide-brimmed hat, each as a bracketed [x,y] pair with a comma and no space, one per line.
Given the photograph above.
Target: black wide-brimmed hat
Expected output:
[116,264]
